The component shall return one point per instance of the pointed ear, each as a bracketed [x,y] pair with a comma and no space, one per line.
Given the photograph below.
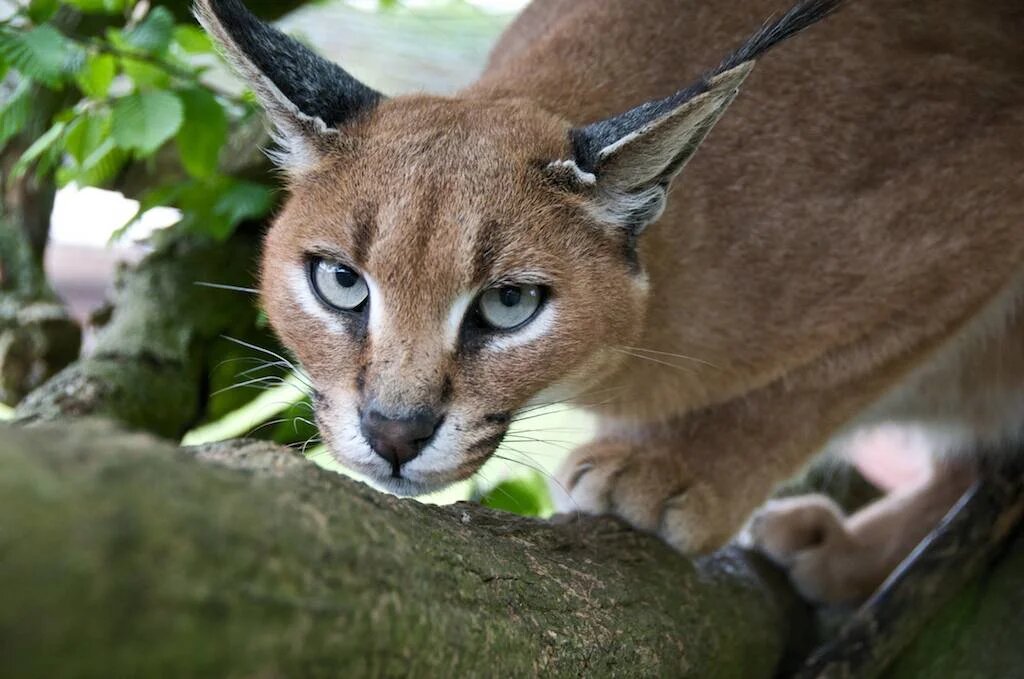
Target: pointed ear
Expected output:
[306,97]
[625,164]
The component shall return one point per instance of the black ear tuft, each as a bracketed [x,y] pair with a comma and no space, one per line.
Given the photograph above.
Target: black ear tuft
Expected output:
[303,93]
[319,88]
[589,141]
[800,16]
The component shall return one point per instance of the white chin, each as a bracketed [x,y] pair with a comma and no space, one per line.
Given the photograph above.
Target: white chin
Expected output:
[407,487]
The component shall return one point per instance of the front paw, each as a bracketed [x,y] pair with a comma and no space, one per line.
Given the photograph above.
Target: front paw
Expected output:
[653,492]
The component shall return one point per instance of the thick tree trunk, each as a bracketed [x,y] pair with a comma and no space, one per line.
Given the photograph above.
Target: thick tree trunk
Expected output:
[122,556]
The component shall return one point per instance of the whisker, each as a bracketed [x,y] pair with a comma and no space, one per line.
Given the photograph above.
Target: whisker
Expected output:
[278,364]
[564,445]
[263,366]
[232,288]
[569,408]
[303,420]
[237,359]
[496,487]
[267,379]
[573,397]
[653,360]
[545,430]
[271,423]
[539,470]
[261,349]
[265,383]
[666,353]
[315,438]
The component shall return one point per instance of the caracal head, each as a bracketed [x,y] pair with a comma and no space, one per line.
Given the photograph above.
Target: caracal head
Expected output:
[441,263]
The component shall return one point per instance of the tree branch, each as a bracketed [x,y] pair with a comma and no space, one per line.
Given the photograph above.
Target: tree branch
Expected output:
[123,556]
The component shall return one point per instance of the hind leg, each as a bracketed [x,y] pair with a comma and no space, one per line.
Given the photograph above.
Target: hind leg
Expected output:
[838,559]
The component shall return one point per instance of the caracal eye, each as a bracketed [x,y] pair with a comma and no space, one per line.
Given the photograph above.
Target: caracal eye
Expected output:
[337,285]
[508,306]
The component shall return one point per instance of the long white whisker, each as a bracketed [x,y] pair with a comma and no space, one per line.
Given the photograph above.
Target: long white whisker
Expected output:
[538,469]
[232,288]
[271,423]
[268,379]
[539,406]
[653,360]
[563,445]
[666,353]
[261,349]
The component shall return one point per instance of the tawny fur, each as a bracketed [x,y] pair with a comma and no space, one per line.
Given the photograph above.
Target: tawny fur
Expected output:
[846,247]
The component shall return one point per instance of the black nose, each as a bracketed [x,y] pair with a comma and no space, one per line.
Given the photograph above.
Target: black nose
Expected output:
[398,440]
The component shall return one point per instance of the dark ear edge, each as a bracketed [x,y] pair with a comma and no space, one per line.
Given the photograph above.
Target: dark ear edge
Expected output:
[305,95]
[589,141]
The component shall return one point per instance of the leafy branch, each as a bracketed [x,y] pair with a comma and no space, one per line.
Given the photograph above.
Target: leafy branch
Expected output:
[130,84]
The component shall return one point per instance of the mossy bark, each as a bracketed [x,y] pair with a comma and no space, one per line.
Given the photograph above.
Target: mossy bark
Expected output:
[977,635]
[152,360]
[122,556]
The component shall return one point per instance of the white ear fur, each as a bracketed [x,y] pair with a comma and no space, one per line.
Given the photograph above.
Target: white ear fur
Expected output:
[632,173]
[657,152]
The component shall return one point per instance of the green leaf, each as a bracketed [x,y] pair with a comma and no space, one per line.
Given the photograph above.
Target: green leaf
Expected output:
[240,201]
[143,121]
[85,134]
[527,496]
[203,133]
[42,54]
[97,75]
[154,33]
[99,6]
[38,148]
[40,11]
[15,111]
[102,165]
[145,74]
[192,40]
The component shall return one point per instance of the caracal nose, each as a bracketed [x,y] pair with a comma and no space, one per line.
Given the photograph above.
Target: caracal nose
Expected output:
[398,439]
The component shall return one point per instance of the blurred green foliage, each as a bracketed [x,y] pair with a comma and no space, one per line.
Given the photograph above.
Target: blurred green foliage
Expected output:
[130,82]
[526,495]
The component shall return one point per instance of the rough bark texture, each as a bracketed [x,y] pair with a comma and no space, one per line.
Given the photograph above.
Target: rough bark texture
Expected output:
[977,635]
[126,557]
[37,339]
[123,556]
[151,364]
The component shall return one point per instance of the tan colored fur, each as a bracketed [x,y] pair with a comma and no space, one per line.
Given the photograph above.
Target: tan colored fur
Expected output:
[842,232]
